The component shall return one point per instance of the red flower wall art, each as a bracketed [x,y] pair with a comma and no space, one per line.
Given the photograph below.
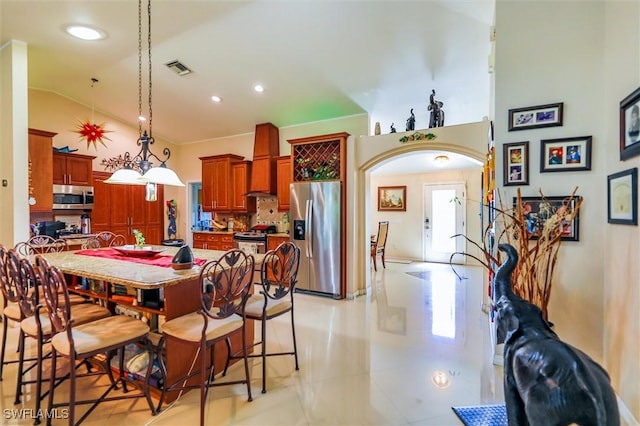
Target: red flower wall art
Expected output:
[93,133]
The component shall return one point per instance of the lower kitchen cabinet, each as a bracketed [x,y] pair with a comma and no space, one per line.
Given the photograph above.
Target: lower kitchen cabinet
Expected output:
[211,241]
[274,241]
[122,208]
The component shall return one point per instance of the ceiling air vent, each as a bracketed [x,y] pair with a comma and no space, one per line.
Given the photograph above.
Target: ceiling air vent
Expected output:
[178,67]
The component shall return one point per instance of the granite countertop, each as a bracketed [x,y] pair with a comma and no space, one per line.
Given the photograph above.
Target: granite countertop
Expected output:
[215,232]
[132,274]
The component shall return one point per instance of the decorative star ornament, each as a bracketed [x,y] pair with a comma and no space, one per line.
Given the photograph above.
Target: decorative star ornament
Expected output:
[93,133]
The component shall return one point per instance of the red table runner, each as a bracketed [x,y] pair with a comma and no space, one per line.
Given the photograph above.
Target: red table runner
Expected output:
[109,253]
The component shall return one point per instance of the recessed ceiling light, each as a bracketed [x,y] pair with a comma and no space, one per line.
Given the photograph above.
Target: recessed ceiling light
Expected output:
[258,88]
[85,32]
[216,98]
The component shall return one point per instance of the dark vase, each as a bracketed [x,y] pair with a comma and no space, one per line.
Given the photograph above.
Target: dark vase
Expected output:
[183,258]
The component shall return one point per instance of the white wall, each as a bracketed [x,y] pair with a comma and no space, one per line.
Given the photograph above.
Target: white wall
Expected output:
[584,54]
[406,235]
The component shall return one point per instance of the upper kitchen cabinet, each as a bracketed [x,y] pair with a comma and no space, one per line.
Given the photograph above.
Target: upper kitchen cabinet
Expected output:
[72,169]
[284,179]
[241,172]
[40,164]
[216,182]
[266,149]
[319,157]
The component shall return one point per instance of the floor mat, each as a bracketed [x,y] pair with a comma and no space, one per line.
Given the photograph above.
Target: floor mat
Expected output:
[425,275]
[482,415]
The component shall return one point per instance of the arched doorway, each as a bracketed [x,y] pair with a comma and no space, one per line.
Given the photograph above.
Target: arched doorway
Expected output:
[372,151]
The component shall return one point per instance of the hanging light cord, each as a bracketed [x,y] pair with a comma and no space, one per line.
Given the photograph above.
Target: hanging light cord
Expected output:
[150,85]
[140,67]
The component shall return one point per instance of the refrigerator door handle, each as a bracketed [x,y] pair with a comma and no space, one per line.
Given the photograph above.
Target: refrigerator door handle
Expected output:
[308,217]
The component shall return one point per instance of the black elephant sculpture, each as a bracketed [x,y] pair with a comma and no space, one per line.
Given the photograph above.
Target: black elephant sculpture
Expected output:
[546,381]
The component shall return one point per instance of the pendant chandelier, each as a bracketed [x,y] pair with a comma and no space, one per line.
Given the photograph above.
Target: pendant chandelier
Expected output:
[139,169]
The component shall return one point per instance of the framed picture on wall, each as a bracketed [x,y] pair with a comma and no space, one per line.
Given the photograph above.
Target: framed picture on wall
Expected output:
[515,158]
[538,210]
[392,198]
[565,155]
[622,197]
[630,126]
[535,117]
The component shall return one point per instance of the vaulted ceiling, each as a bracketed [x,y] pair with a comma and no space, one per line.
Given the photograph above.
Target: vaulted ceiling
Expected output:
[316,59]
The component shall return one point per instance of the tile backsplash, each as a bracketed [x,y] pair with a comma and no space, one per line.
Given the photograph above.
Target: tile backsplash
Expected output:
[268,214]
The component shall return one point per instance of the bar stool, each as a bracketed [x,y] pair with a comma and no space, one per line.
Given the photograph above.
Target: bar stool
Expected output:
[37,325]
[278,276]
[79,342]
[225,284]
[105,239]
[41,244]
[45,244]
[10,308]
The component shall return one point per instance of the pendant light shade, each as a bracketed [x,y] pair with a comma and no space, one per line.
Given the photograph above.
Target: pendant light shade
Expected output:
[125,176]
[162,175]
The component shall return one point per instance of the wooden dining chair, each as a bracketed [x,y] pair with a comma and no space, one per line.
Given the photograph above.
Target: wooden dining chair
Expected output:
[105,239]
[278,278]
[10,308]
[41,244]
[378,245]
[77,343]
[225,283]
[35,323]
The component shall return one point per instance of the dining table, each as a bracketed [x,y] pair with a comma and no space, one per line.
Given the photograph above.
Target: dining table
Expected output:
[104,274]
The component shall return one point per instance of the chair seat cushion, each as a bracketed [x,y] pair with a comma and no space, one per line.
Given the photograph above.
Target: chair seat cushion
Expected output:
[253,308]
[81,314]
[12,311]
[108,332]
[189,327]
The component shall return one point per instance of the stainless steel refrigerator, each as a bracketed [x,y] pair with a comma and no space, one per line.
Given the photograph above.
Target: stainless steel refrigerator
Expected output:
[317,229]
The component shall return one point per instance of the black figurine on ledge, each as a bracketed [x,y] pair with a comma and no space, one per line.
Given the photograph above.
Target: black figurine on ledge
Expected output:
[393,129]
[411,121]
[436,118]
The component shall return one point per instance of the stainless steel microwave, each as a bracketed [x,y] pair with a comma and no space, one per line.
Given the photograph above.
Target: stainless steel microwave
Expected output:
[67,197]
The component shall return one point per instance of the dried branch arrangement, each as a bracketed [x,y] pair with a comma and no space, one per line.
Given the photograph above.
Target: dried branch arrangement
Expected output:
[538,252]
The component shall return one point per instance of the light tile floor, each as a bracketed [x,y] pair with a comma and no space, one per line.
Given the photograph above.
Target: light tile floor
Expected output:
[402,355]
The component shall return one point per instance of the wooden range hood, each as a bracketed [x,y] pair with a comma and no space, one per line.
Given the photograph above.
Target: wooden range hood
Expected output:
[266,149]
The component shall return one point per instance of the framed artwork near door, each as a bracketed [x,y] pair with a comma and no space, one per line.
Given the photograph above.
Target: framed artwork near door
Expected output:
[392,198]
[515,157]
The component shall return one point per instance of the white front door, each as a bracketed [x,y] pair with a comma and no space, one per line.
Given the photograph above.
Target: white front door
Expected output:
[444,213]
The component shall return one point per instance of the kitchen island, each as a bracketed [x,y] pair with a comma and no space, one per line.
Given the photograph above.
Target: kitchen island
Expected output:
[177,291]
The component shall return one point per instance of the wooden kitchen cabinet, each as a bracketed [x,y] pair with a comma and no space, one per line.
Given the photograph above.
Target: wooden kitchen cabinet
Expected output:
[101,213]
[122,208]
[72,169]
[216,182]
[283,169]
[41,163]
[210,241]
[274,241]
[240,175]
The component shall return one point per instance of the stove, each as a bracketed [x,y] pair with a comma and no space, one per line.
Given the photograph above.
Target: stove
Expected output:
[254,241]
[258,233]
